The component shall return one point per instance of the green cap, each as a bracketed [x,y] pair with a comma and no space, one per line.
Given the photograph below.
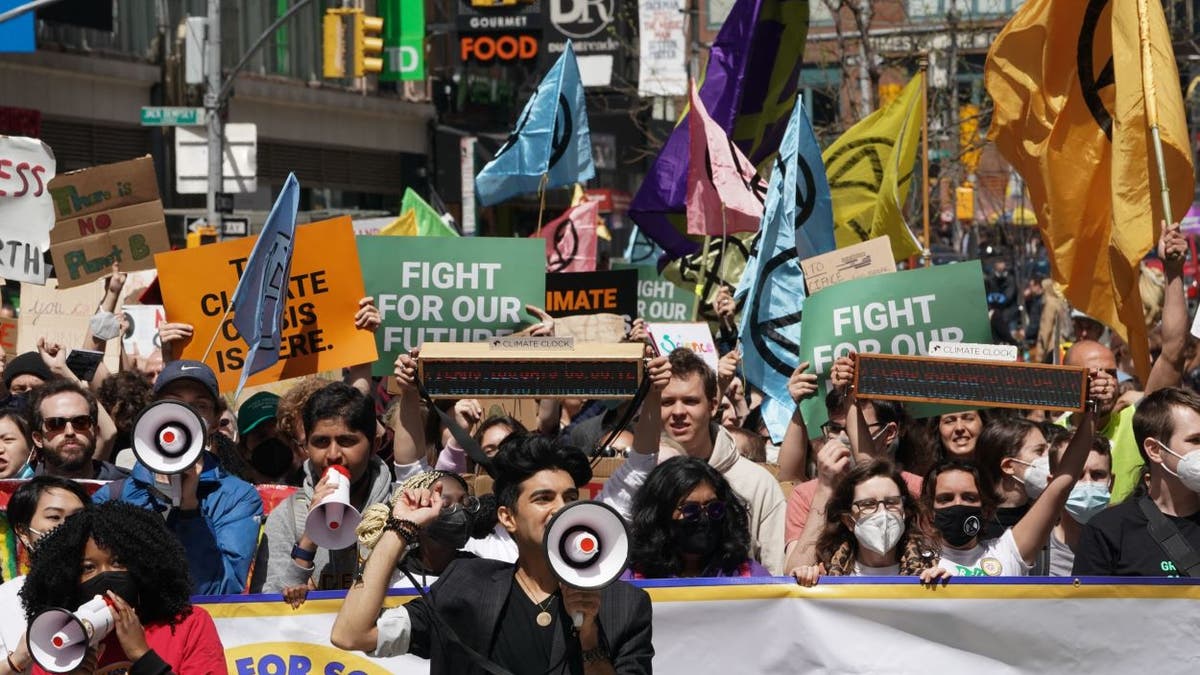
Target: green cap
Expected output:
[257,409]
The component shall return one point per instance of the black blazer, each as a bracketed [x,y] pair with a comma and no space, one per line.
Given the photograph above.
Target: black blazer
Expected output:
[470,595]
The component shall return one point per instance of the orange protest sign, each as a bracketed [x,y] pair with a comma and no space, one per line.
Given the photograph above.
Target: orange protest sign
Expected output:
[318,332]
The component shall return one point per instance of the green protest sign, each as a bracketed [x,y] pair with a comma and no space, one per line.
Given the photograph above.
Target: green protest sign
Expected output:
[897,313]
[659,299]
[438,290]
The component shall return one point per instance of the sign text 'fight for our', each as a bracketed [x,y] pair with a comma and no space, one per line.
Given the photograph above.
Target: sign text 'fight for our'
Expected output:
[853,321]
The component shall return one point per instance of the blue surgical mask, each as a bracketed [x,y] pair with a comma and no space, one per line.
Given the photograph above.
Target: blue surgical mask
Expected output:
[1086,500]
[25,472]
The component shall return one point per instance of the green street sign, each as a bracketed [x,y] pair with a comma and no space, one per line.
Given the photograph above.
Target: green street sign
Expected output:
[156,116]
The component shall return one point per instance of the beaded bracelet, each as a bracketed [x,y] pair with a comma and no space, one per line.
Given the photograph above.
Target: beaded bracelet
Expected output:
[407,529]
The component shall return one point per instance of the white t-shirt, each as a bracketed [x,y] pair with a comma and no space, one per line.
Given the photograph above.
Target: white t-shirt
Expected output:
[498,545]
[12,614]
[861,570]
[997,557]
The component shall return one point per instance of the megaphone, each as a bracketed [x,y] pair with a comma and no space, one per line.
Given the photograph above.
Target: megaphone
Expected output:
[331,523]
[587,545]
[168,438]
[59,639]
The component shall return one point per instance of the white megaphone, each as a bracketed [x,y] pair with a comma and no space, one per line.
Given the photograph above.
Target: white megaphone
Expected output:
[59,639]
[331,523]
[587,546]
[168,438]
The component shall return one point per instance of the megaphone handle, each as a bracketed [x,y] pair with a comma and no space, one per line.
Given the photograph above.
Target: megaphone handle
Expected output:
[176,482]
[577,619]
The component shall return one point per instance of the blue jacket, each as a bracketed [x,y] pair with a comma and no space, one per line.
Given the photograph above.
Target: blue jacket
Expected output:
[219,542]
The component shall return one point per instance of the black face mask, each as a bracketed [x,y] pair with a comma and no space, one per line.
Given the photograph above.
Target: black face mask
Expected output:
[697,537]
[1011,515]
[958,524]
[272,458]
[118,582]
[452,528]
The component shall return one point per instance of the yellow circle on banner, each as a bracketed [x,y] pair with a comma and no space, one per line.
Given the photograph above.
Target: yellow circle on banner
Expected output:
[296,658]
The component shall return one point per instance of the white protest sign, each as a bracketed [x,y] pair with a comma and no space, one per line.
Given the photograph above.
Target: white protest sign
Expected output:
[26,209]
[695,336]
[141,329]
[972,350]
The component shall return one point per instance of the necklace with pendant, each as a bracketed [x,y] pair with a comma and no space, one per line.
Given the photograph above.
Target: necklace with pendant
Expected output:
[544,617]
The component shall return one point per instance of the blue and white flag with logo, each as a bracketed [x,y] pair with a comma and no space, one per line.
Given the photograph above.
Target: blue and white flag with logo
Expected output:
[797,223]
[551,139]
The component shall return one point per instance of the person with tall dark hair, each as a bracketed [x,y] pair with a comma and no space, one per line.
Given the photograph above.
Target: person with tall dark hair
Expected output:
[1013,458]
[16,445]
[517,616]
[126,555]
[688,522]
[36,508]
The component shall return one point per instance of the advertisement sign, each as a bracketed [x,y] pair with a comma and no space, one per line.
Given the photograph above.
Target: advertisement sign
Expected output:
[484,16]
[403,40]
[662,64]
[591,26]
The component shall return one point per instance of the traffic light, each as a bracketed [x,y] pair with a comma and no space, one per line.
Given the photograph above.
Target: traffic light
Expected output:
[334,45]
[368,45]
[202,235]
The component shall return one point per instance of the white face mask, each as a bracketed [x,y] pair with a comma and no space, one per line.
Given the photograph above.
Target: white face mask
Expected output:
[880,531]
[1188,469]
[1037,476]
[1086,500]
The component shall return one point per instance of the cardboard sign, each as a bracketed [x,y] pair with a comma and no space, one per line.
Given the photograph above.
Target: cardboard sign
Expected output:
[61,316]
[580,293]
[592,327]
[318,332]
[431,289]
[697,337]
[659,299]
[106,214]
[865,259]
[474,370]
[8,336]
[987,384]
[141,329]
[26,211]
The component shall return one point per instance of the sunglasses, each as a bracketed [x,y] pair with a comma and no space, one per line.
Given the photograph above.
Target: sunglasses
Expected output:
[714,510]
[82,423]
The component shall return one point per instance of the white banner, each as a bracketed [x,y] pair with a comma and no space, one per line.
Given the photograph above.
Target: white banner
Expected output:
[26,207]
[662,48]
[840,626]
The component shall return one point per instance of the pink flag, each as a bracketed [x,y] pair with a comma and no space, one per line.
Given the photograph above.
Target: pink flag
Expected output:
[718,173]
[571,239]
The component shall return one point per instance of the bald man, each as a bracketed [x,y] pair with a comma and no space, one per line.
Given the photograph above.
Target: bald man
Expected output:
[1116,427]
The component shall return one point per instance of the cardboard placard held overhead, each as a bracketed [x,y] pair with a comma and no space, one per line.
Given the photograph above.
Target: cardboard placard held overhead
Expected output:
[866,259]
[61,315]
[318,332]
[106,214]
[26,213]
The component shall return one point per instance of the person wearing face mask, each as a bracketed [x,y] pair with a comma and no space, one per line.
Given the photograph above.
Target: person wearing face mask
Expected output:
[1131,538]
[872,529]
[1012,456]
[16,445]
[259,440]
[688,522]
[126,555]
[36,508]
[1088,498]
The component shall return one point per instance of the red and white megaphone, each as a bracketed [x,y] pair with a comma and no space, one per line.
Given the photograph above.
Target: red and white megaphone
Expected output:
[331,523]
[59,639]
[168,438]
[587,545]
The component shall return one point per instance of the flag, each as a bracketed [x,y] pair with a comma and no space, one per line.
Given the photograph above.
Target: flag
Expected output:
[1070,116]
[797,224]
[261,293]
[641,250]
[749,89]
[429,222]
[405,225]
[550,141]
[723,187]
[571,239]
[870,169]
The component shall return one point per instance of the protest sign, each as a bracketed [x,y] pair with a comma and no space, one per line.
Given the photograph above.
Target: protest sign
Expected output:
[61,316]
[106,214]
[897,313]
[579,293]
[476,370]
[141,329]
[318,330]
[8,336]
[26,211]
[659,299]
[865,259]
[695,336]
[592,327]
[430,289]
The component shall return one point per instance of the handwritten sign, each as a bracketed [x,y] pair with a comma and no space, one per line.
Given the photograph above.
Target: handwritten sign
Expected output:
[106,214]
[865,259]
[475,370]
[8,336]
[323,291]
[26,212]
[61,315]
[695,336]
[994,384]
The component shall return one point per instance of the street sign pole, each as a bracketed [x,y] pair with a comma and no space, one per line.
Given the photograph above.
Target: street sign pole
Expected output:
[212,106]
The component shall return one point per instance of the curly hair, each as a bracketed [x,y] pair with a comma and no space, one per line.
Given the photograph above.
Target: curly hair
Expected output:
[652,550]
[837,546]
[135,537]
[289,414]
[124,395]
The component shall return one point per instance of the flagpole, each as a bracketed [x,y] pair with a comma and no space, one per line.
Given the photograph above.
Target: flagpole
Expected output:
[213,341]
[702,282]
[1151,104]
[923,67]
[542,207]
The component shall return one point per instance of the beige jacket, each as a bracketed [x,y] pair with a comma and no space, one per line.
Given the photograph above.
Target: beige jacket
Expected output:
[761,492]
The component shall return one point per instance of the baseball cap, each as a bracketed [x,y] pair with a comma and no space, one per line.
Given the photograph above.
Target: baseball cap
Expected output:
[255,410]
[187,370]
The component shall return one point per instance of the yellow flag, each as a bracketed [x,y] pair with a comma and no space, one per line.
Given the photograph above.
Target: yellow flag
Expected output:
[870,169]
[403,226]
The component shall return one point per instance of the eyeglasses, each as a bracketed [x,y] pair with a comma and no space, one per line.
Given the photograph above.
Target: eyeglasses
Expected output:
[835,429]
[714,510]
[893,504]
[80,423]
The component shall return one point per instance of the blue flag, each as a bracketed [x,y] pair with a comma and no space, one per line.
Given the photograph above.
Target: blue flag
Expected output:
[551,139]
[797,224]
[262,290]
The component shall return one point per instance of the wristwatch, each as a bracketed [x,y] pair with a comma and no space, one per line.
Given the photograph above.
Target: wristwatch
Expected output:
[301,554]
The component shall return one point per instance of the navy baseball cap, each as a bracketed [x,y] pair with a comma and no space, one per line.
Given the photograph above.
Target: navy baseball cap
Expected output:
[187,370]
